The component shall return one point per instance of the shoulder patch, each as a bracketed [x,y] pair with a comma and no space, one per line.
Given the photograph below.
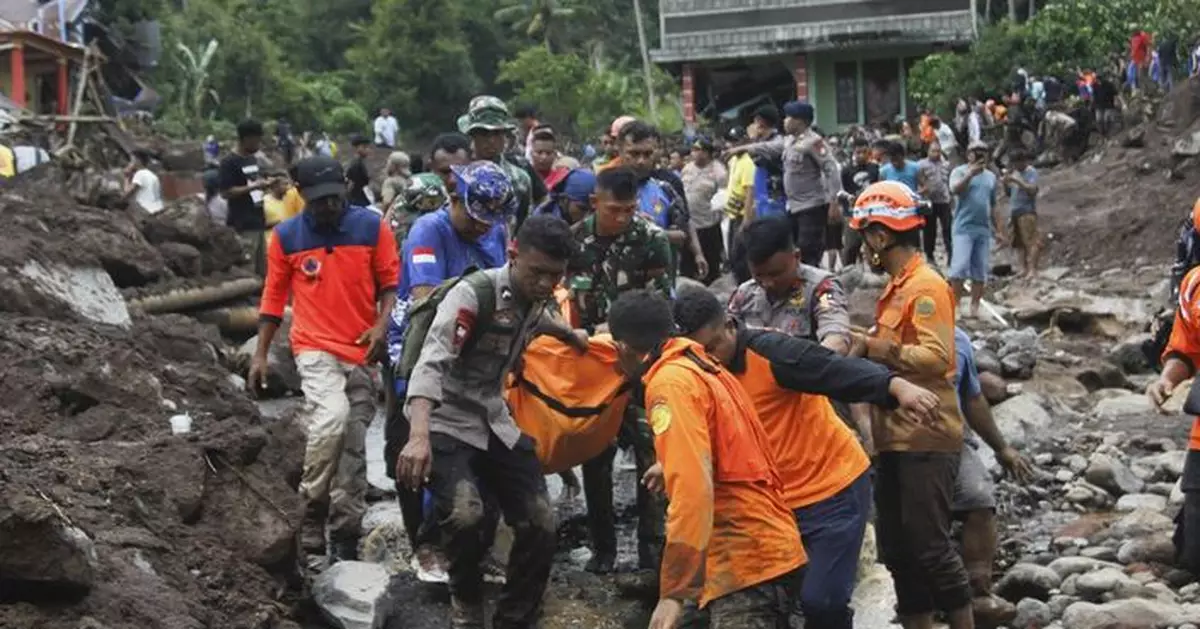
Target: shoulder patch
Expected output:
[463,324]
[924,306]
[659,418]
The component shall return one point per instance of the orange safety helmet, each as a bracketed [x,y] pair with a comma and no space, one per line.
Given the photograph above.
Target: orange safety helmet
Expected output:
[1196,215]
[889,203]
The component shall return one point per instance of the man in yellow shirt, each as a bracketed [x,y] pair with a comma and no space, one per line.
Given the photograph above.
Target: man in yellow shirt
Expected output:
[8,162]
[740,204]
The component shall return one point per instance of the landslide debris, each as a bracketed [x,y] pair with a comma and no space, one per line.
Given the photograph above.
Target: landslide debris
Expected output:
[108,518]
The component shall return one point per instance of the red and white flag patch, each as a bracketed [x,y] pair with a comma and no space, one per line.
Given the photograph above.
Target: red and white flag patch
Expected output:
[424,255]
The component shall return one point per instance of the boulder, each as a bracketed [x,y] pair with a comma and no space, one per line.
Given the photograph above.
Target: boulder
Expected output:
[1032,614]
[1157,548]
[1140,522]
[183,259]
[1020,418]
[987,362]
[1128,355]
[1126,614]
[1067,566]
[1026,580]
[1124,405]
[1165,466]
[347,593]
[992,612]
[42,555]
[1103,375]
[1093,586]
[1110,474]
[86,292]
[1133,502]
[1018,353]
[282,376]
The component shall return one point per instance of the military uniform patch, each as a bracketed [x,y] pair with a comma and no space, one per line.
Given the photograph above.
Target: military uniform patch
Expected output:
[660,418]
[924,307]
[824,302]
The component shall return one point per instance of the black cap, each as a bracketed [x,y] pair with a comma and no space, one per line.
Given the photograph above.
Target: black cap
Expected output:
[703,143]
[736,134]
[320,177]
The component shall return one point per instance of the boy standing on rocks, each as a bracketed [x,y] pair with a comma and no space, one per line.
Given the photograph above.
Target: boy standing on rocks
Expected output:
[339,265]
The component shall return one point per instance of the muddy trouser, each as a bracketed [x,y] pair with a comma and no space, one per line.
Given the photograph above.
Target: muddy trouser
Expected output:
[1187,522]
[461,473]
[738,264]
[420,531]
[832,531]
[598,494]
[913,493]
[254,244]
[713,246]
[339,405]
[938,213]
[853,249]
[808,230]
[764,606]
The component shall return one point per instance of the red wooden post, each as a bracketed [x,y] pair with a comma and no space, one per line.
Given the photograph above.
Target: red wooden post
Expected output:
[17,70]
[64,88]
[688,93]
[801,77]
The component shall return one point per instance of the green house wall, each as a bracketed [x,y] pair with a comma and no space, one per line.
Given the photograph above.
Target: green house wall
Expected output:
[822,85]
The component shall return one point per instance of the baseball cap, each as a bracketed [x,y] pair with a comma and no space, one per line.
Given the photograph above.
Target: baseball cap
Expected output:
[320,177]
[703,143]
[579,185]
[798,109]
[736,134]
[485,191]
[615,128]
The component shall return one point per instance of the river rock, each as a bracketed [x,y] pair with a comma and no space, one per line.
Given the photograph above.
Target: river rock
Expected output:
[1128,354]
[1126,614]
[1140,522]
[1110,474]
[1165,466]
[1157,548]
[987,362]
[1032,614]
[1067,566]
[1133,502]
[1027,580]
[1093,585]
[1021,417]
[1103,375]
[1018,353]
[1076,463]
[347,592]
[992,611]
[282,375]
[1124,405]
[1103,553]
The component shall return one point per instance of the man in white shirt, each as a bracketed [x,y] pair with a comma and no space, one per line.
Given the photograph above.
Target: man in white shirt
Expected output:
[143,186]
[386,128]
[945,138]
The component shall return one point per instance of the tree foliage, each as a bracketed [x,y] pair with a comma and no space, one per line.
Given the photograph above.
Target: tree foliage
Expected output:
[1064,36]
[329,64]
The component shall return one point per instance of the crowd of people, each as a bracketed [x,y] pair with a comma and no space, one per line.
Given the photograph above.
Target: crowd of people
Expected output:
[529,317]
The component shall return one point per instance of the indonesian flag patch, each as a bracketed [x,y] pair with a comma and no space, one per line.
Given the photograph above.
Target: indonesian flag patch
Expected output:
[424,255]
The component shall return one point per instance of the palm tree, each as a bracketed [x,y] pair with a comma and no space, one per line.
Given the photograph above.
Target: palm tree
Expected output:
[536,19]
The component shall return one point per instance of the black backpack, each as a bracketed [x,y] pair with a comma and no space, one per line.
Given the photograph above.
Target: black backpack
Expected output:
[422,312]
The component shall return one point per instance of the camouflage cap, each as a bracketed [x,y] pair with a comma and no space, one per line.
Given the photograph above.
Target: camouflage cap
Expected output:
[485,191]
[425,192]
[486,113]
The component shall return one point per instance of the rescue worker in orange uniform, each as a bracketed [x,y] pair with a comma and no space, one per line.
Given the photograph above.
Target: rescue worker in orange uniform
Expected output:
[1179,362]
[825,471]
[917,461]
[732,543]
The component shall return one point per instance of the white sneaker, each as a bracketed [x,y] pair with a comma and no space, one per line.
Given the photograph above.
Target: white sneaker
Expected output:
[430,575]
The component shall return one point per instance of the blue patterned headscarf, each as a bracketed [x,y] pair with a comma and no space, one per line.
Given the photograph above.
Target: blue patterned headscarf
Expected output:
[485,191]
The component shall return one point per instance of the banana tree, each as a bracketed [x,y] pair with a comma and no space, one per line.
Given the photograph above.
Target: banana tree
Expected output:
[195,69]
[536,19]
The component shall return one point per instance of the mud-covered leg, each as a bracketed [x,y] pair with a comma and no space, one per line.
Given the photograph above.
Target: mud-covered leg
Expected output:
[458,509]
[601,518]
[348,491]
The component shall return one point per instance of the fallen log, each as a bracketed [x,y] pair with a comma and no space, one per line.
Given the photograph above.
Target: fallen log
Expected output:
[197,298]
[236,321]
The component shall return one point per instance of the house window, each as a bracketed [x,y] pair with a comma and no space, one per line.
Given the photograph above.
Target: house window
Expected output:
[881,87]
[846,83]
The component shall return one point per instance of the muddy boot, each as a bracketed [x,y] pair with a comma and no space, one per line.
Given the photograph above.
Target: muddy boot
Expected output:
[464,615]
[312,535]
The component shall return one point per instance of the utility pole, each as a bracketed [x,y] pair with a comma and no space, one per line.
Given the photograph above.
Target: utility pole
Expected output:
[651,100]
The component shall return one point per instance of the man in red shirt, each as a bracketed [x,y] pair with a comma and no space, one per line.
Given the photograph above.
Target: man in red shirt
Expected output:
[339,265]
[1139,51]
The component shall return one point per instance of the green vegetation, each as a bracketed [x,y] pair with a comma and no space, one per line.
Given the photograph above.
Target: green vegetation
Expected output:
[1063,36]
[330,64]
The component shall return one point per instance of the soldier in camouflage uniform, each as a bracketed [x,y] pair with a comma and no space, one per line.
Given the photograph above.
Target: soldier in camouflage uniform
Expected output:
[425,193]
[617,250]
[489,125]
